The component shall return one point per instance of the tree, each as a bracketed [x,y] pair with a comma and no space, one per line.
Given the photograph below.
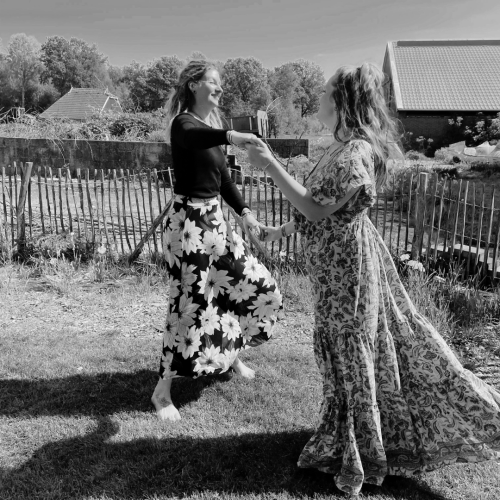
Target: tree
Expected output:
[161,76]
[150,85]
[23,64]
[72,62]
[283,117]
[311,83]
[246,87]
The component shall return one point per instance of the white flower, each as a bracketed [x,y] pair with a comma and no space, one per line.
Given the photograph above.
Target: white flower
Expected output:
[268,324]
[242,291]
[214,244]
[213,282]
[187,310]
[253,269]
[404,257]
[189,342]
[187,278]
[418,266]
[172,247]
[206,207]
[230,356]
[230,326]
[174,289]
[209,360]
[218,218]
[166,362]
[209,320]
[249,327]
[170,330]
[236,245]
[191,236]
[266,304]
[177,220]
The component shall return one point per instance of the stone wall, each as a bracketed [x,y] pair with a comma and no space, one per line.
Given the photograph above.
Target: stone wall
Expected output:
[109,154]
[85,154]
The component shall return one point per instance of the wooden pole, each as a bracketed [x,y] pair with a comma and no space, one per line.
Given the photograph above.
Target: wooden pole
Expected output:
[21,221]
[137,250]
[418,235]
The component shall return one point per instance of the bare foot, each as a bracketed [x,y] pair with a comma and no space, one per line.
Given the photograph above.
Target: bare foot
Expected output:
[242,370]
[165,409]
[163,403]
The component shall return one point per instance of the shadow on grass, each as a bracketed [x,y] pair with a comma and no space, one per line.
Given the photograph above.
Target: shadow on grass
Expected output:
[99,394]
[91,466]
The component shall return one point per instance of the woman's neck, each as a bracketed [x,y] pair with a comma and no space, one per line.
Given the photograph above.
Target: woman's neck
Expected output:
[202,112]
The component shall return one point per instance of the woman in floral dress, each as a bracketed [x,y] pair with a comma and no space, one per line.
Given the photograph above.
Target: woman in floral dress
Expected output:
[395,398]
[221,300]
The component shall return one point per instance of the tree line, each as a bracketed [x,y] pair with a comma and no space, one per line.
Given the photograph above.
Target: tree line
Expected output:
[34,75]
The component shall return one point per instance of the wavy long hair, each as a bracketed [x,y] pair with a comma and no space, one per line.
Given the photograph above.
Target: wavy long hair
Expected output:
[363,113]
[181,97]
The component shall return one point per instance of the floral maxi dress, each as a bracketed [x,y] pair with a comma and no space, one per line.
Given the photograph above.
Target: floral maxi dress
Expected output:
[395,398]
[222,299]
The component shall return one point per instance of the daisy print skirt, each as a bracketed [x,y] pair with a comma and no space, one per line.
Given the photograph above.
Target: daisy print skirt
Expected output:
[222,299]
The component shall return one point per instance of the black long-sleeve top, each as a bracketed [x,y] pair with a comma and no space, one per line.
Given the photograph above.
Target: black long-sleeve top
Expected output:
[199,163]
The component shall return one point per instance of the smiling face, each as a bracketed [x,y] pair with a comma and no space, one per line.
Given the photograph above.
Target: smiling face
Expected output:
[327,112]
[208,89]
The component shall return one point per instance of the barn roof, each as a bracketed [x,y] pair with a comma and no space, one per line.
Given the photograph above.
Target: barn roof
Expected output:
[445,75]
[78,104]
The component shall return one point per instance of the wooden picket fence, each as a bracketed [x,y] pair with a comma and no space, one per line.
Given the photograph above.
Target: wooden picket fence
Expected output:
[422,213]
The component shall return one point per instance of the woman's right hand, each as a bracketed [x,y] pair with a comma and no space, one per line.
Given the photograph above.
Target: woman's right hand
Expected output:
[270,233]
[241,139]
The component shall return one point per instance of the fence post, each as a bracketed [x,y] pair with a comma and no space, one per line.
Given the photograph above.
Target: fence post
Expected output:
[21,221]
[418,234]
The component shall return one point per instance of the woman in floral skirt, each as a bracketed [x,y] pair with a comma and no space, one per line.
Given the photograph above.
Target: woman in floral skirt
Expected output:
[222,300]
[395,398]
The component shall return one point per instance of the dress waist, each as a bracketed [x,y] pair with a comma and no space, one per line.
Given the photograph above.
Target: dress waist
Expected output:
[196,202]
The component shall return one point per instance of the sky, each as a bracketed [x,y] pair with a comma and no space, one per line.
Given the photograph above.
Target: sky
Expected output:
[328,32]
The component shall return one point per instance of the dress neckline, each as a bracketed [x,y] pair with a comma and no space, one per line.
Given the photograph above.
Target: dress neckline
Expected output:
[194,115]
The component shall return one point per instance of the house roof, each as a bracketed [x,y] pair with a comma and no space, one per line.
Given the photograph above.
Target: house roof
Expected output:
[445,75]
[78,104]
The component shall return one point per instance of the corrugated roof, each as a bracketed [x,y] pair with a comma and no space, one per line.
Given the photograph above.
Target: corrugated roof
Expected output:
[445,75]
[78,104]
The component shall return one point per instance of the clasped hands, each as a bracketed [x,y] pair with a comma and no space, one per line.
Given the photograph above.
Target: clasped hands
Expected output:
[260,157]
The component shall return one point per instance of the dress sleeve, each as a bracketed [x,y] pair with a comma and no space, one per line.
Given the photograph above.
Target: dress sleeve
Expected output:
[352,170]
[190,134]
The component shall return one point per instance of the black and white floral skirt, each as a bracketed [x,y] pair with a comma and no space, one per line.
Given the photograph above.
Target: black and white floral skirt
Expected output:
[222,299]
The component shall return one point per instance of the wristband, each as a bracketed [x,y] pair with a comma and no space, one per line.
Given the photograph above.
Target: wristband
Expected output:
[245,212]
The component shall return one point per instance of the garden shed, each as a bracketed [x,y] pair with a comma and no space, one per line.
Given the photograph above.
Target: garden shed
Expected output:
[79,104]
[433,81]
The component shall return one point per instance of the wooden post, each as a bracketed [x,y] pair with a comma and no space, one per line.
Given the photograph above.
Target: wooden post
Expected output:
[21,221]
[137,250]
[418,235]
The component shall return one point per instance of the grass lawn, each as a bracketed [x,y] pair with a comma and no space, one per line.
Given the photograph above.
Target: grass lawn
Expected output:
[78,362]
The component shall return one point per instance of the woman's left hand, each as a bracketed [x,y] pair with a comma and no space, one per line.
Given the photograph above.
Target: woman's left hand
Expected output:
[251,225]
[259,156]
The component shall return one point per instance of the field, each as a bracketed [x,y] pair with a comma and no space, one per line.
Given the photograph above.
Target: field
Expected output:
[79,352]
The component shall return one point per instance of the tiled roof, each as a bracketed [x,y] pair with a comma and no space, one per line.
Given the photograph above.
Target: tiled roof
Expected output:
[78,104]
[447,75]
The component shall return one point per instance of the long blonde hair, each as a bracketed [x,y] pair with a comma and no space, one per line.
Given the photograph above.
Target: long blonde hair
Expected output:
[363,112]
[181,97]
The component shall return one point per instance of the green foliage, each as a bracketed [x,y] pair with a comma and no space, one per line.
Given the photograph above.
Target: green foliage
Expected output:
[150,85]
[72,62]
[246,87]
[101,127]
[487,129]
